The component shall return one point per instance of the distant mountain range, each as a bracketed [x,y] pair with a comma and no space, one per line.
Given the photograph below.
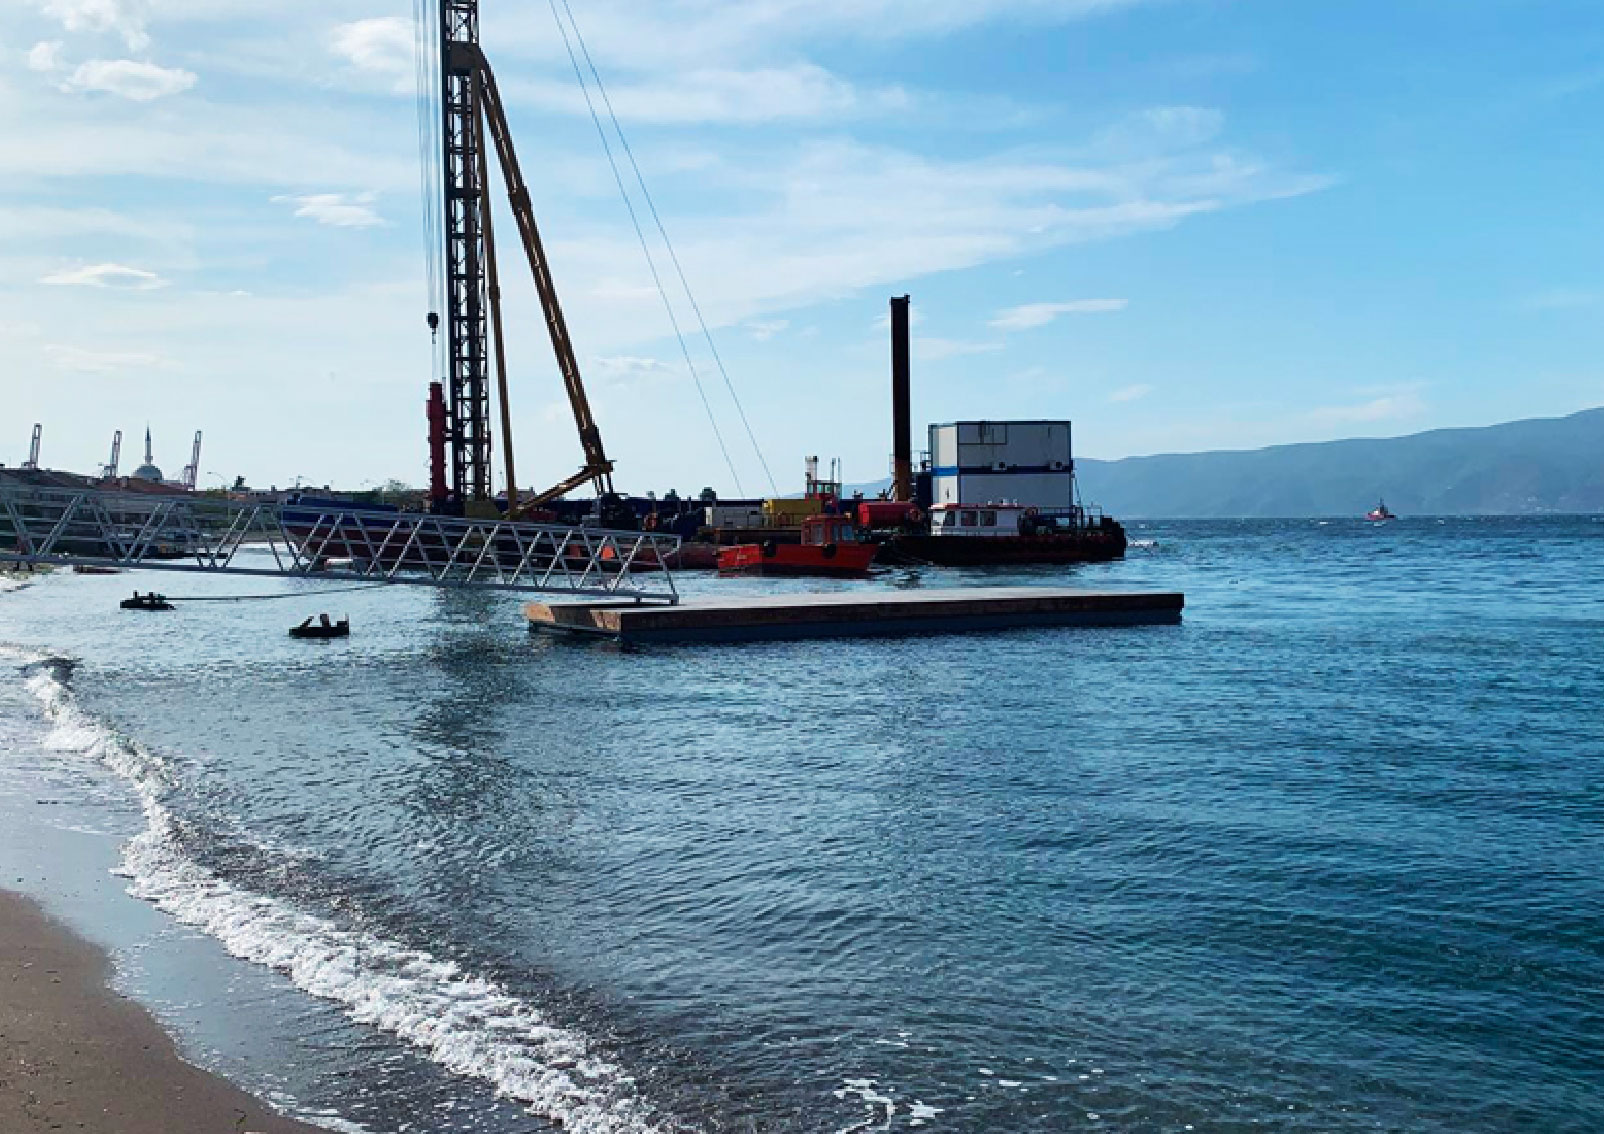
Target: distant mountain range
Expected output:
[1521,467]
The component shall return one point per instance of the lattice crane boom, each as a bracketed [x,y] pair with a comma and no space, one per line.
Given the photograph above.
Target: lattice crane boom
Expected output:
[467,377]
[597,466]
[474,113]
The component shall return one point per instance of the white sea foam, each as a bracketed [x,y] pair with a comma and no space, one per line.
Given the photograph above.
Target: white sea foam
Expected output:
[881,1106]
[466,1023]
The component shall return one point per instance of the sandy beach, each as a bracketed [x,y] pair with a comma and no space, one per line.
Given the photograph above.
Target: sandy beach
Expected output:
[76,1056]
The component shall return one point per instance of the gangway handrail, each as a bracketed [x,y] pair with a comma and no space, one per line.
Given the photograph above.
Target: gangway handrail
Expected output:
[42,524]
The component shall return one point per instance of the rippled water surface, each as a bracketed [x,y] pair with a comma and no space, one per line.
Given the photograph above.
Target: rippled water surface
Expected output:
[1324,857]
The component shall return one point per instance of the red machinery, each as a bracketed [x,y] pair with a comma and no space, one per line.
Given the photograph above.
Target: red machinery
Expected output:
[882,514]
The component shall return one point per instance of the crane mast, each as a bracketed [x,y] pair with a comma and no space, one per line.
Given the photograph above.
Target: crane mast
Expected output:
[467,378]
[474,119]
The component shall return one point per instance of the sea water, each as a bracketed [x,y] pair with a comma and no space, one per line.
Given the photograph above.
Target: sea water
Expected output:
[1326,856]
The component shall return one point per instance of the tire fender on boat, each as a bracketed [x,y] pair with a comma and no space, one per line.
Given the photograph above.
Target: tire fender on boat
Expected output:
[828,551]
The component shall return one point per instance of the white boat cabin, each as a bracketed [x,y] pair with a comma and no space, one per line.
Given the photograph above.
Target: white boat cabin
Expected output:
[818,530]
[977,521]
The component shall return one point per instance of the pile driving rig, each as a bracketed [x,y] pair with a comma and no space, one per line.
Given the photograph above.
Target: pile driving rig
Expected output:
[473,118]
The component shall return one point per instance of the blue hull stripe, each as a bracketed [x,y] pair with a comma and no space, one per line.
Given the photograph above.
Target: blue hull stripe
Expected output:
[987,470]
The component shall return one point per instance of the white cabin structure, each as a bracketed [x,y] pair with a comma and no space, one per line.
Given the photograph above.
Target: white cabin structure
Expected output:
[1024,463]
[976,521]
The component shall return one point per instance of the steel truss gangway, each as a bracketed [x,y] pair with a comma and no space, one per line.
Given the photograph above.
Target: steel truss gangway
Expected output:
[93,527]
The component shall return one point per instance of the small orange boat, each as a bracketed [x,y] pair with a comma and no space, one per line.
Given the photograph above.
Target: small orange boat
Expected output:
[829,547]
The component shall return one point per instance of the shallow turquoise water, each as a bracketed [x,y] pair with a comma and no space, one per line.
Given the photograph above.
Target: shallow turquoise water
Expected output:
[1323,857]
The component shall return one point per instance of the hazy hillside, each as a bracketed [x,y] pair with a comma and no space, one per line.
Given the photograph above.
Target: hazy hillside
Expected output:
[1540,465]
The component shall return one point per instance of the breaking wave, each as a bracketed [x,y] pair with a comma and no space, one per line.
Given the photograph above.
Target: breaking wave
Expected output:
[465,1023]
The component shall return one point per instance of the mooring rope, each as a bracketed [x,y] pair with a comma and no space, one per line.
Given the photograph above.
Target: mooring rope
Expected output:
[265,598]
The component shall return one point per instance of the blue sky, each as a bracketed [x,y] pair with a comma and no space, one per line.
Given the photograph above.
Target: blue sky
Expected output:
[1184,224]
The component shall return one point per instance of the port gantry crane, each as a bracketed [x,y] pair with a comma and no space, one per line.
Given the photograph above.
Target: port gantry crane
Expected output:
[109,471]
[472,111]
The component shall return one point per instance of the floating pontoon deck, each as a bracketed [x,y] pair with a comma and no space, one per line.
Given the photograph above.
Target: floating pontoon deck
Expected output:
[855,614]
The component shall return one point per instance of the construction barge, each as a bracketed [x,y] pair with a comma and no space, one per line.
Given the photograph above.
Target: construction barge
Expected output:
[987,493]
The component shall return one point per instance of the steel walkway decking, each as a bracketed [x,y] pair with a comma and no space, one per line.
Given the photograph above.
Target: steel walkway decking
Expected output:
[92,527]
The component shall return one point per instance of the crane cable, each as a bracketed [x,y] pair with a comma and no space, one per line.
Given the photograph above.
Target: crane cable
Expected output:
[426,62]
[669,244]
[640,235]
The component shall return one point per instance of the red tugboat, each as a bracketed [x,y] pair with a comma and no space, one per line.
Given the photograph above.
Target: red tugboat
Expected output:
[829,547]
[1380,513]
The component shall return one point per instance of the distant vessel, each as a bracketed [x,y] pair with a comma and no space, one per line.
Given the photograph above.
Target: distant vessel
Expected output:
[1380,512]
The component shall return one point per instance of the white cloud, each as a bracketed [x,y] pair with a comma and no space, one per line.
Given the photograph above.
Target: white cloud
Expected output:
[46,222]
[786,229]
[1131,393]
[928,349]
[129,78]
[1169,125]
[338,209]
[71,358]
[765,221]
[1401,405]
[627,371]
[679,35]
[105,275]
[280,143]
[1564,299]
[45,56]
[382,46]
[1031,315]
[765,329]
[797,92]
[124,17]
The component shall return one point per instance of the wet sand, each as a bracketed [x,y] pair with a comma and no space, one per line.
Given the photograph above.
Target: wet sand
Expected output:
[76,1056]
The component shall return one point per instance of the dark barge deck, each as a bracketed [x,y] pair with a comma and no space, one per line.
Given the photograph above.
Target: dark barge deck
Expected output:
[855,614]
